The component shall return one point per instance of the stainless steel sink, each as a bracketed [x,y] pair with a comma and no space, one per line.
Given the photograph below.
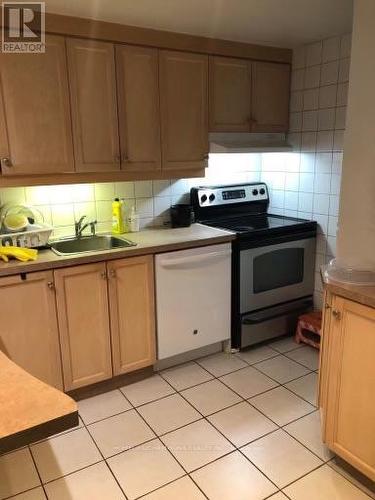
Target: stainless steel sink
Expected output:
[89,244]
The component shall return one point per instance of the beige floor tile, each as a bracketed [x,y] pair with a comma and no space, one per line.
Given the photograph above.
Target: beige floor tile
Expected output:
[242,423]
[307,356]
[147,390]
[222,363]
[210,397]
[285,344]
[233,477]
[257,354]
[248,382]
[282,369]
[184,376]
[353,476]
[281,458]
[281,405]
[62,455]
[119,433]
[324,481]
[17,473]
[168,413]
[35,494]
[307,431]
[93,483]
[196,444]
[278,496]
[145,468]
[102,406]
[306,387]
[182,489]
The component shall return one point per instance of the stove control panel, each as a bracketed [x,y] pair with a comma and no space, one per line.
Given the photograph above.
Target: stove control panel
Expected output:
[225,195]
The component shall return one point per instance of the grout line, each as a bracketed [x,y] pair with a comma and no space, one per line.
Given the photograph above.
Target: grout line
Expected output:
[232,451]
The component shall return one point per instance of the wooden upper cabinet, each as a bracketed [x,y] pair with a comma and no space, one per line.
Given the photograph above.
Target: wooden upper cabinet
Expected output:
[139,111]
[92,79]
[132,311]
[4,147]
[29,335]
[37,113]
[350,383]
[82,304]
[184,110]
[270,97]
[229,94]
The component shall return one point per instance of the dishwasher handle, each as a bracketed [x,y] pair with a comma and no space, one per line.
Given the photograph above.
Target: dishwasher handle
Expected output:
[194,260]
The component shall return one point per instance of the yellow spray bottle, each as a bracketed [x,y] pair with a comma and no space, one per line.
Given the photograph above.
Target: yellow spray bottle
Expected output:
[117,222]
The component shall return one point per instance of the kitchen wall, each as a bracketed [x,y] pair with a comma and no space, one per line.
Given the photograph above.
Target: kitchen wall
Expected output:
[317,124]
[62,205]
[305,183]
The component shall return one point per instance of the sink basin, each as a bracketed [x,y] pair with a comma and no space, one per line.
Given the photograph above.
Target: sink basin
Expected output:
[89,244]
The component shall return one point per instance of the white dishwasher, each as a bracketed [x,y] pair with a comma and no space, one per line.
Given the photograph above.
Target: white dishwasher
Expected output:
[193,297]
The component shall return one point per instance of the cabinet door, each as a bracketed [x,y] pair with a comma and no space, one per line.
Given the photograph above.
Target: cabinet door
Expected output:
[270,97]
[139,111]
[350,413]
[92,80]
[230,94]
[37,114]
[28,333]
[82,305]
[131,290]
[4,149]
[184,110]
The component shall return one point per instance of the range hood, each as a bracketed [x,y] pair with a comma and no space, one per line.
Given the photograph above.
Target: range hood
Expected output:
[230,142]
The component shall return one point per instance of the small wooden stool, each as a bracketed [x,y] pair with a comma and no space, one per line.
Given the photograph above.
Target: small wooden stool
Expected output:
[309,328]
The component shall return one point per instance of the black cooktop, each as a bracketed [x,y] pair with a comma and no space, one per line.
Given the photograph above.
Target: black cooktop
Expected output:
[247,224]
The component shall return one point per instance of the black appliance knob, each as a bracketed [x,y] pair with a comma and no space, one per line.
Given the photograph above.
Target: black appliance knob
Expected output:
[211,197]
[203,198]
[255,192]
[262,191]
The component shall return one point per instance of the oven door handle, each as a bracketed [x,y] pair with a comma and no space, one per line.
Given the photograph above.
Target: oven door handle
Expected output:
[260,317]
[194,260]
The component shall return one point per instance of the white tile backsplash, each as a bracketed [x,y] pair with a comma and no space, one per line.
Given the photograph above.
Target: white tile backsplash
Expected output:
[331,49]
[319,147]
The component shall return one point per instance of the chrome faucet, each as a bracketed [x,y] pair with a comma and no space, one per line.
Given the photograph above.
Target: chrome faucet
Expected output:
[79,228]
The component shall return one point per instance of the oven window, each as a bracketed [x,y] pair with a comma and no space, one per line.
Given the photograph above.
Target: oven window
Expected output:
[277,269]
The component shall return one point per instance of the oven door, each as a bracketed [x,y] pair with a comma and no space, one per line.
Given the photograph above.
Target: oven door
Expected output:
[277,273]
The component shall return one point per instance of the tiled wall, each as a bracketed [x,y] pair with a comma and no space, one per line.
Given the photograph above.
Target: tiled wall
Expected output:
[317,123]
[305,183]
[62,205]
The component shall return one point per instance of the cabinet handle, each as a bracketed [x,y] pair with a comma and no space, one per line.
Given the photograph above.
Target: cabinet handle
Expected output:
[51,285]
[206,156]
[103,274]
[112,273]
[117,158]
[336,314]
[5,162]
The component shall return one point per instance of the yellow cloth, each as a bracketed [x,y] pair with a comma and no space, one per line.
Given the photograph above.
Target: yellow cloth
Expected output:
[22,254]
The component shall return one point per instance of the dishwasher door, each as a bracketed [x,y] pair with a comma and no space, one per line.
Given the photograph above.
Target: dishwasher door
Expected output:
[193,297]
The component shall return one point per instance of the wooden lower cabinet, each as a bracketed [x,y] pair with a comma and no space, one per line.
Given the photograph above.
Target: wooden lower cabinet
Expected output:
[131,292]
[106,319]
[29,334]
[82,304]
[347,382]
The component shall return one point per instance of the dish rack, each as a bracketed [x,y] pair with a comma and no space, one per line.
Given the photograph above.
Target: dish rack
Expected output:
[36,235]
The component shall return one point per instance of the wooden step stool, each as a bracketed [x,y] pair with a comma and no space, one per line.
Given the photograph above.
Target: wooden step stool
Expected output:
[309,328]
